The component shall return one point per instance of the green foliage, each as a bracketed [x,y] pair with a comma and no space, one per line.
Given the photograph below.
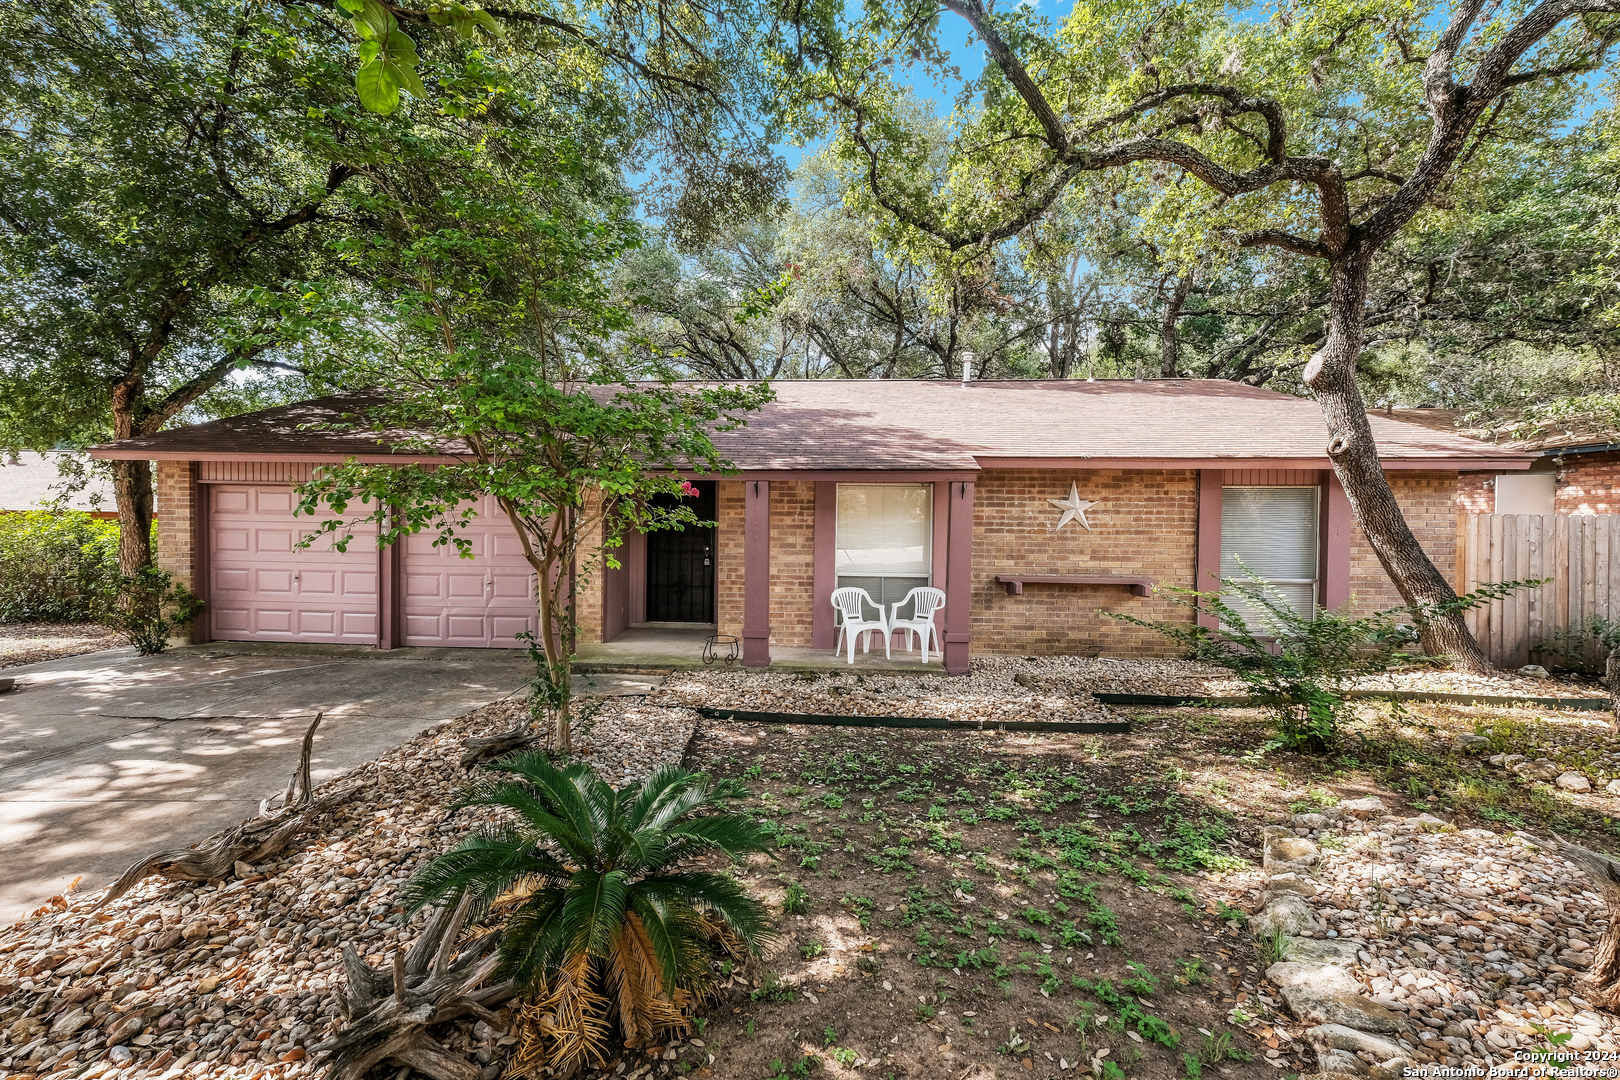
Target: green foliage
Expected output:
[795,899]
[148,606]
[55,566]
[586,881]
[1583,646]
[1298,667]
[496,339]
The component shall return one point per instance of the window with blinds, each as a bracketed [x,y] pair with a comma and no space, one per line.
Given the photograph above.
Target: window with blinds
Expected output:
[885,539]
[1273,531]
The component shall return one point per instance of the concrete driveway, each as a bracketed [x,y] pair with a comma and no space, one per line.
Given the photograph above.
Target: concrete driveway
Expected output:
[109,756]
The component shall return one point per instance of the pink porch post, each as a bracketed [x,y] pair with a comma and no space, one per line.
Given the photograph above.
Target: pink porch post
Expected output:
[959,579]
[1336,523]
[823,634]
[756,573]
[1209,536]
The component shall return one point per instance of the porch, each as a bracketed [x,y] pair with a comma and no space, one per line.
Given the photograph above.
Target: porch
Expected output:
[658,649]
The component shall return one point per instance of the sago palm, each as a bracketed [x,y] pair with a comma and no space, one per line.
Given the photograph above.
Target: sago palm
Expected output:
[601,921]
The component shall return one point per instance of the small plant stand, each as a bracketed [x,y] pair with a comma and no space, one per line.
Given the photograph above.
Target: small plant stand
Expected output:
[722,647]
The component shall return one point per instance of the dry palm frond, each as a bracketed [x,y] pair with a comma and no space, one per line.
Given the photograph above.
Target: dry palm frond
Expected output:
[646,1005]
[567,1023]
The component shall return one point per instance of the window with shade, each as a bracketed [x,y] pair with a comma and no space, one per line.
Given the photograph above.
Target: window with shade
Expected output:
[885,539]
[1273,532]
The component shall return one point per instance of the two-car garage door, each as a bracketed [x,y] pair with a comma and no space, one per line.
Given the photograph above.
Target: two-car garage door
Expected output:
[262,587]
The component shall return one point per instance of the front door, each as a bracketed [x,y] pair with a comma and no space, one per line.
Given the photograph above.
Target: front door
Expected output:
[680,565]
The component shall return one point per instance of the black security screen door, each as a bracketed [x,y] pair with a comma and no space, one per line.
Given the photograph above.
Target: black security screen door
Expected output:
[680,565]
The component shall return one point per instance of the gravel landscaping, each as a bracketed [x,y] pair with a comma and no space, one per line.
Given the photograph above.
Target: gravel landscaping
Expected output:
[965,903]
[242,979]
[1040,688]
[1478,939]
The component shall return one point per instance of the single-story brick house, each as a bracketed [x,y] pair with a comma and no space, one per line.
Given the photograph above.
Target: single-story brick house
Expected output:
[1571,472]
[882,484]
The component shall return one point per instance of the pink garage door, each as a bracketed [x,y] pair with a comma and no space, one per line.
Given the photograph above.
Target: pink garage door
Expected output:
[261,587]
[482,602]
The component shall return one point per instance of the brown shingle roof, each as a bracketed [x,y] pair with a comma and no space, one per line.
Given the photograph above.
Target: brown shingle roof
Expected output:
[900,424]
[1451,420]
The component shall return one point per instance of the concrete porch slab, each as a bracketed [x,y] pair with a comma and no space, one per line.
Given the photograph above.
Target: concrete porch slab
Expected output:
[663,649]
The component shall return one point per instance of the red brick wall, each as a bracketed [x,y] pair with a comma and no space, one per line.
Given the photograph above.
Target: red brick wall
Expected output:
[177,494]
[1473,497]
[728,570]
[1591,485]
[793,562]
[1145,523]
[588,599]
[1428,501]
[793,549]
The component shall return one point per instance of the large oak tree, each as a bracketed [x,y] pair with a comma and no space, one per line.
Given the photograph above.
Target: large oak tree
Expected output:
[1322,130]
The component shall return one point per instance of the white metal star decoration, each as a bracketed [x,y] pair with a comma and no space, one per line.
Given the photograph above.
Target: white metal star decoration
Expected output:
[1074,508]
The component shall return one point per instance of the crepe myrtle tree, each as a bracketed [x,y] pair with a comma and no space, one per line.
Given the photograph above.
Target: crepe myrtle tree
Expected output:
[1322,129]
[572,465]
[491,367]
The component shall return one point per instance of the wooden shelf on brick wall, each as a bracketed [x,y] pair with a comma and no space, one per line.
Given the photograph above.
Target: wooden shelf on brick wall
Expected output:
[1015,585]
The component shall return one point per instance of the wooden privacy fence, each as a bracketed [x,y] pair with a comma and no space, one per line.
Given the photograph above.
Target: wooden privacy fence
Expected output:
[1580,553]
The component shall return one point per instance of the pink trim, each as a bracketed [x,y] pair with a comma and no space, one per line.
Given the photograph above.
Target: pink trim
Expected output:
[942,533]
[853,476]
[756,573]
[634,557]
[202,569]
[1209,536]
[1438,464]
[823,634]
[228,455]
[959,579]
[1337,522]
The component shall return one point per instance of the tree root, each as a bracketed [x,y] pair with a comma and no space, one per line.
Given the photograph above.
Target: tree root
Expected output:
[1603,978]
[250,842]
[391,1009]
[521,737]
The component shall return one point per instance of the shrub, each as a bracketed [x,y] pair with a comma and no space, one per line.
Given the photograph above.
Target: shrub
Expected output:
[1298,668]
[1583,646]
[601,921]
[148,606]
[56,567]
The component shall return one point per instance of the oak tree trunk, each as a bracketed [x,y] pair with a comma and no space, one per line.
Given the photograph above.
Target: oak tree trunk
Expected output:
[1169,341]
[132,493]
[1603,977]
[1331,375]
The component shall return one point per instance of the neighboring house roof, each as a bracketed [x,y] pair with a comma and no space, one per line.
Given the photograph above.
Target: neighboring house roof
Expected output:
[1545,444]
[839,424]
[32,479]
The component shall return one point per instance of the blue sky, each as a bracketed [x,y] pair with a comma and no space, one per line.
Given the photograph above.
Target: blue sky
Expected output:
[953,34]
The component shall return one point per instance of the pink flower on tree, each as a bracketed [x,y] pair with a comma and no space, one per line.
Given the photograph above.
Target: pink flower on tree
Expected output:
[687,490]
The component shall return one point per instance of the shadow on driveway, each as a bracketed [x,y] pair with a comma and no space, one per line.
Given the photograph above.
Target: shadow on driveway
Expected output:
[109,756]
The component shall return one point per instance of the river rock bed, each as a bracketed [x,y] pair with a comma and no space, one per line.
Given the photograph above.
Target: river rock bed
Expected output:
[242,978]
[1005,688]
[1479,939]
[991,693]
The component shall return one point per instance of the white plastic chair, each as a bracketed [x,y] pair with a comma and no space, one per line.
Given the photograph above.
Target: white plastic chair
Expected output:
[921,622]
[848,605]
